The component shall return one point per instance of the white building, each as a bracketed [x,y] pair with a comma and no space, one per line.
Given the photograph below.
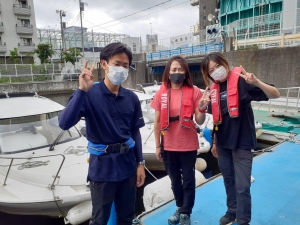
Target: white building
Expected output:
[134,43]
[17,26]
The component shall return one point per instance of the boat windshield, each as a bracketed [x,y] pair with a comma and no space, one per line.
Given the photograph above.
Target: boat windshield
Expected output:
[148,112]
[32,132]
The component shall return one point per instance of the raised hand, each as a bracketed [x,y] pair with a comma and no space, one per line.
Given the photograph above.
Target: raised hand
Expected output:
[86,78]
[205,100]
[250,78]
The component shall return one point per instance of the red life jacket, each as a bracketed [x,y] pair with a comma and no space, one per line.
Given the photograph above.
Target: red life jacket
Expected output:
[232,97]
[186,108]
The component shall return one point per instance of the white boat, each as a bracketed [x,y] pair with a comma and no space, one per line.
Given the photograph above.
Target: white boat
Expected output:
[43,169]
[280,118]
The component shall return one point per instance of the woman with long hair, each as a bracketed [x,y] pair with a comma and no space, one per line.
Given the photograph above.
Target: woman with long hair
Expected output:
[231,94]
[176,104]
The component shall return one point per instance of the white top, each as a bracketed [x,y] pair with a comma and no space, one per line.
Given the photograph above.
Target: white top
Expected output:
[27,106]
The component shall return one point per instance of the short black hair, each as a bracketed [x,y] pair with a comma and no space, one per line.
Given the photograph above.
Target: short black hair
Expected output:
[115,48]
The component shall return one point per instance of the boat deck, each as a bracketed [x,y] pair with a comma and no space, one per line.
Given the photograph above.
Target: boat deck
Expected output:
[275,192]
[278,123]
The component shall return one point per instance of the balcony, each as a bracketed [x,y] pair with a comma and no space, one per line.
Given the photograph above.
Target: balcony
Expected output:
[22,10]
[26,47]
[24,29]
[3,47]
[1,27]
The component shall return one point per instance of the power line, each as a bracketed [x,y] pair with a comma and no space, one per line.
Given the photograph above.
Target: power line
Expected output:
[71,4]
[74,20]
[132,14]
[143,15]
[71,8]
[101,28]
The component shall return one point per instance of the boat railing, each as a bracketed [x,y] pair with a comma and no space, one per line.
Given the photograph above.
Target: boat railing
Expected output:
[287,104]
[56,176]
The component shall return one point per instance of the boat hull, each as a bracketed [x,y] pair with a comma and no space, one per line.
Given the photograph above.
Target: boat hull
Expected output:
[38,208]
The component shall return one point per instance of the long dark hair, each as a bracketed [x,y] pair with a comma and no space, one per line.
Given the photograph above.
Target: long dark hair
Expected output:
[218,58]
[184,64]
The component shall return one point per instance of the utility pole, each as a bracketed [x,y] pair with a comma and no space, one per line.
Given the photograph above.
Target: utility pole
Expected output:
[199,28]
[93,47]
[81,7]
[62,14]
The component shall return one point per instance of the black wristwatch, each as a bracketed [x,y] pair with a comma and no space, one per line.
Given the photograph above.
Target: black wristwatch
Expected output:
[141,163]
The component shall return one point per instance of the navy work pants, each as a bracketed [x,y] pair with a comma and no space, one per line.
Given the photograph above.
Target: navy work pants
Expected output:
[236,166]
[122,193]
[180,167]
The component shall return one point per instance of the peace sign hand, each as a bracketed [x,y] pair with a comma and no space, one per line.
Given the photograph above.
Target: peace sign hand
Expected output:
[205,100]
[86,78]
[250,78]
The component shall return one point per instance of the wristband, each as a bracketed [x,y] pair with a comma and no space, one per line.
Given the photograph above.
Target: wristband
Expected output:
[202,111]
[158,146]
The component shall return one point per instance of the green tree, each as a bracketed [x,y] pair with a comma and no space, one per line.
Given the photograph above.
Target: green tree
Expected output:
[71,55]
[44,52]
[30,57]
[14,56]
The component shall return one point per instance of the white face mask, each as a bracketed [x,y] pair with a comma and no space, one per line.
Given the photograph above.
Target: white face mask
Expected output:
[117,74]
[219,74]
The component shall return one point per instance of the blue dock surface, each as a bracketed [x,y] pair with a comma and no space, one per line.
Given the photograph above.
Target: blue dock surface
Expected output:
[275,192]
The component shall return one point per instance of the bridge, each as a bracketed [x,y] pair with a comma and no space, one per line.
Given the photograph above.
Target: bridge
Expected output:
[193,55]
[195,50]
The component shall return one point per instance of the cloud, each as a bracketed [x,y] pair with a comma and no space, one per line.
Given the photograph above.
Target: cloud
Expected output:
[166,20]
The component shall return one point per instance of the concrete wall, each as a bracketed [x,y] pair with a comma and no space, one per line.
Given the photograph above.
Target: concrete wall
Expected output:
[278,66]
[42,88]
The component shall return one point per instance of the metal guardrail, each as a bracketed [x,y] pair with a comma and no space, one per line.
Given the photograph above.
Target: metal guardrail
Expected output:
[22,6]
[13,158]
[24,25]
[201,49]
[288,104]
[291,102]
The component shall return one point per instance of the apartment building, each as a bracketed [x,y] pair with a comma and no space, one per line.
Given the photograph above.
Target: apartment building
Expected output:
[17,26]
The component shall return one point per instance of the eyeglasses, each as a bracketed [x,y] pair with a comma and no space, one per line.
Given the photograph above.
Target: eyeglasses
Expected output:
[180,70]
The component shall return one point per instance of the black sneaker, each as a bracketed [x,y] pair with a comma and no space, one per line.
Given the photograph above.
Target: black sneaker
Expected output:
[228,218]
[184,220]
[174,219]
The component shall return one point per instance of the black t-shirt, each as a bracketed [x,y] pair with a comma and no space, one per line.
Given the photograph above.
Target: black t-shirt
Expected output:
[238,132]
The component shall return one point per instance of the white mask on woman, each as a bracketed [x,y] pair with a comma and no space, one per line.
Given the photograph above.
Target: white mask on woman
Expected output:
[219,74]
[117,74]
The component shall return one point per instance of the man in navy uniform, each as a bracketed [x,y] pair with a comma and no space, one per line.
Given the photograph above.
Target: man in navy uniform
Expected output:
[113,117]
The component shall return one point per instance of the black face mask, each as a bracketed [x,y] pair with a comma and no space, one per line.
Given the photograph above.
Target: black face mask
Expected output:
[177,78]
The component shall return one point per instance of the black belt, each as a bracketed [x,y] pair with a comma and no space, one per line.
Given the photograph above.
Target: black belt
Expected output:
[117,148]
[174,118]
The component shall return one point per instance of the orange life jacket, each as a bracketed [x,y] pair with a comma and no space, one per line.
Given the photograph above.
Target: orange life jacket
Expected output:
[186,107]
[232,97]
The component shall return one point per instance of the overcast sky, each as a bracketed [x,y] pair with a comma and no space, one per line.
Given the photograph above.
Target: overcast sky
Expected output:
[169,19]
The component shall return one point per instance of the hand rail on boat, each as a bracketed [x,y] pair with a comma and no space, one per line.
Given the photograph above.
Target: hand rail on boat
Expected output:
[287,98]
[12,159]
